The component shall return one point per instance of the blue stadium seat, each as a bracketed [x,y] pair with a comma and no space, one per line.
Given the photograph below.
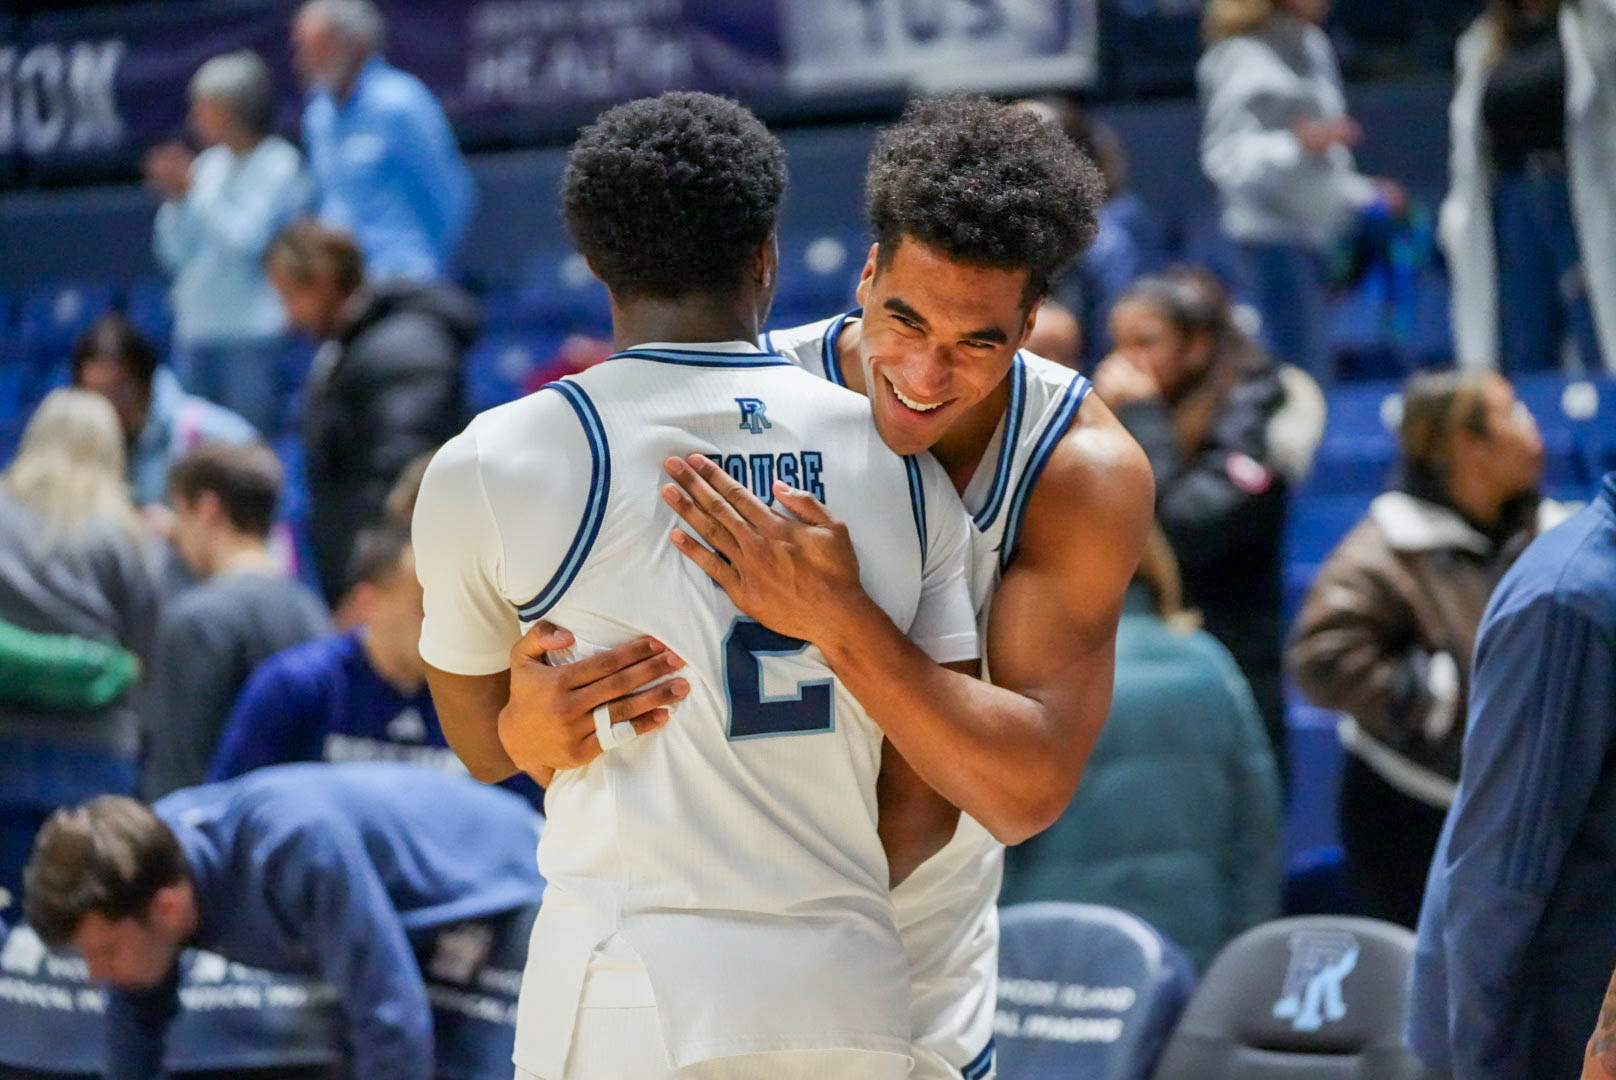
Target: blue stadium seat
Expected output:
[55,314]
[1318,998]
[819,274]
[147,306]
[501,366]
[555,292]
[1084,991]
[1318,523]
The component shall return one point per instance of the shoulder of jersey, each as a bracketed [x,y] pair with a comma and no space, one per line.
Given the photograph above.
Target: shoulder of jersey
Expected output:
[799,343]
[1047,371]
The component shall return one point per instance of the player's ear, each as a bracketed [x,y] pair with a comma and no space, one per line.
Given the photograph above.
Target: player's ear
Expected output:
[764,265]
[1031,319]
[867,275]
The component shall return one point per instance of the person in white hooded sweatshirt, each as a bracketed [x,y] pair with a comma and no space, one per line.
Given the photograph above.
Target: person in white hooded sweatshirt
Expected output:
[1533,172]
[1276,142]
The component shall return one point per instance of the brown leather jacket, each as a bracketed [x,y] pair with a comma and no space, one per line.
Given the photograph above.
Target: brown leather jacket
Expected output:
[1387,633]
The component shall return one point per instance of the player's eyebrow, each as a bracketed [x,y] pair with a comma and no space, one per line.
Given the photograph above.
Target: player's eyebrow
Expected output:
[992,334]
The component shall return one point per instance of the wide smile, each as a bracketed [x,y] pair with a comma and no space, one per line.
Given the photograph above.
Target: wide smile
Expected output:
[919,408]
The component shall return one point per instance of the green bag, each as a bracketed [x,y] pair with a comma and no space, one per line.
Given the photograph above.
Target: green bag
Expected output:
[60,671]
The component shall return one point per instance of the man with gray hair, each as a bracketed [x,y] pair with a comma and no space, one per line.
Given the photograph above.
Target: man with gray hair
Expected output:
[219,212]
[383,154]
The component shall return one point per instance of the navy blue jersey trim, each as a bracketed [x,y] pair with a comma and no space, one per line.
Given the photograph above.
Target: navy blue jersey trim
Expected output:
[693,358]
[981,1064]
[1007,450]
[1071,400]
[828,358]
[917,501]
[600,488]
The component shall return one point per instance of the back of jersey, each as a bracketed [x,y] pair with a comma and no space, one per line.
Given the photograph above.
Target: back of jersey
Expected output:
[736,848]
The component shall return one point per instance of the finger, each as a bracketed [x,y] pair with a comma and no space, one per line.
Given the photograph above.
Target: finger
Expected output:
[604,664]
[753,510]
[651,721]
[543,637]
[587,750]
[804,505]
[585,699]
[658,697]
[715,567]
[704,524]
[699,485]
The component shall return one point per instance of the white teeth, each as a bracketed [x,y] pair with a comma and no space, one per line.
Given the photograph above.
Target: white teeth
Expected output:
[915,405]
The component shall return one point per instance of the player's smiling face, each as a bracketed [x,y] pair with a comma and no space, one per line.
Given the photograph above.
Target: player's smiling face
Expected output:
[938,337]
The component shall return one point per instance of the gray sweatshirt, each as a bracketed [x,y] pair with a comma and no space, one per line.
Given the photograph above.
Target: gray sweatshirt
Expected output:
[1253,89]
[100,586]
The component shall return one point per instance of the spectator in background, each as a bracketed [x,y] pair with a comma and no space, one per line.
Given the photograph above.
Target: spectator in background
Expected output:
[219,214]
[1131,241]
[1533,172]
[243,611]
[385,387]
[1518,935]
[75,559]
[1202,866]
[313,870]
[1276,142]
[161,422]
[358,696]
[382,152]
[1389,626]
[1202,401]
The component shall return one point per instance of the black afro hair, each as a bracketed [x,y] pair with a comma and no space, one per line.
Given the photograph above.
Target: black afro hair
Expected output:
[988,184]
[670,196]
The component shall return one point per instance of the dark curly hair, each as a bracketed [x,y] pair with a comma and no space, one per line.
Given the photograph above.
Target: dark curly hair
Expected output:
[989,184]
[670,196]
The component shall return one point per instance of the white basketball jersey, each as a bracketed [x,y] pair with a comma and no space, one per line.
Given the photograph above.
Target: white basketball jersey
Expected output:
[735,850]
[948,908]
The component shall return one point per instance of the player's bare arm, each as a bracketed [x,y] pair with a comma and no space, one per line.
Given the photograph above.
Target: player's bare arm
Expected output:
[538,719]
[1011,754]
[1600,1063]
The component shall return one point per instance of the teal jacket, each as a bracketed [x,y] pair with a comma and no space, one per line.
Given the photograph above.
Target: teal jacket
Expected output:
[1177,816]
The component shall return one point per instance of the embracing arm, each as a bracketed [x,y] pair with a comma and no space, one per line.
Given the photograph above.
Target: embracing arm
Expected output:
[1009,755]
[1600,1063]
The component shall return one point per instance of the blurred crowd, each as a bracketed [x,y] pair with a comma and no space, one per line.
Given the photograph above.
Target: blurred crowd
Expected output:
[165,630]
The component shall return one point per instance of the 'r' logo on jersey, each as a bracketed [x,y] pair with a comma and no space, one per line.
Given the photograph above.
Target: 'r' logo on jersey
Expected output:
[754,414]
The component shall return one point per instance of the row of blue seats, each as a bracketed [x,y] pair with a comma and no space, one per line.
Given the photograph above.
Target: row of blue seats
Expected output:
[1084,991]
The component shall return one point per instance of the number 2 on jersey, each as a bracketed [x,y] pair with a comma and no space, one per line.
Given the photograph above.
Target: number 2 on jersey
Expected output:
[753,714]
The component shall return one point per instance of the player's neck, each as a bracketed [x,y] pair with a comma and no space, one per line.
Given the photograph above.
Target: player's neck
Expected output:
[963,445]
[692,319]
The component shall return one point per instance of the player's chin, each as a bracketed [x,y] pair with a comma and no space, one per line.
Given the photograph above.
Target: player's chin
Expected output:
[908,432]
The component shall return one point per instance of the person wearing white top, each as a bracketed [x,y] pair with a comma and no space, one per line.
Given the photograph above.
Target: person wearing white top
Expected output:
[220,212]
[1560,280]
[717,901]
[1276,142]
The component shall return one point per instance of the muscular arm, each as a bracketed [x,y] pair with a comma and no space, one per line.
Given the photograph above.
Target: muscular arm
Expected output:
[1011,754]
[1600,1062]
[468,709]
[535,718]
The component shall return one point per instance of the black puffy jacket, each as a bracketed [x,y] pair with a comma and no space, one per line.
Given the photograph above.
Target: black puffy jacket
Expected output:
[382,393]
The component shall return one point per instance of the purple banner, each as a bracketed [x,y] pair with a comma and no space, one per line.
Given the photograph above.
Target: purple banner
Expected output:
[90,87]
